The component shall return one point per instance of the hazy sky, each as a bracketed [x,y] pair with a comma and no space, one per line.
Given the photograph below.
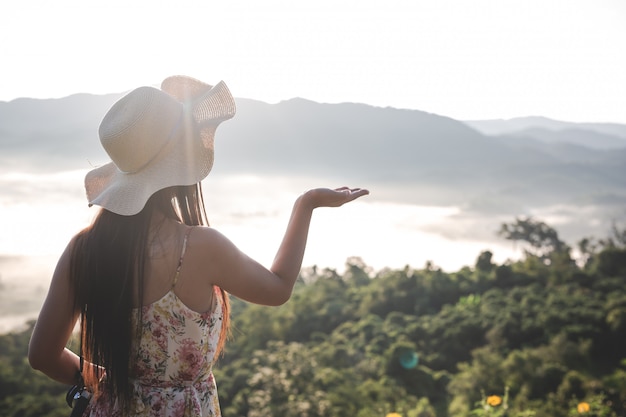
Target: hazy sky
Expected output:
[474,59]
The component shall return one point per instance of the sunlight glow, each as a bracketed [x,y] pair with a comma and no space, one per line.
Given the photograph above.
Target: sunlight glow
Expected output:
[467,60]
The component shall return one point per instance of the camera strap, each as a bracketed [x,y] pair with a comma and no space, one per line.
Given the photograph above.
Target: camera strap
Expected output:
[76,392]
[80,381]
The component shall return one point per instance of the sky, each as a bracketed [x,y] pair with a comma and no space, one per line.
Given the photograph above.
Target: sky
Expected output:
[469,60]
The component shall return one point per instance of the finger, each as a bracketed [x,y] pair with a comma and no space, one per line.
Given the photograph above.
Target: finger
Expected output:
[359,191]
[344,188]
[356,193]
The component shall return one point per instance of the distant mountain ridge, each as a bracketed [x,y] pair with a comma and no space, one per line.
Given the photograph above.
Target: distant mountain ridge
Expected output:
[413,156]
[592,135]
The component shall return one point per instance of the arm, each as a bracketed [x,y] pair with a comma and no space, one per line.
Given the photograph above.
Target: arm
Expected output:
[46,351]
[245,278]
[288,260]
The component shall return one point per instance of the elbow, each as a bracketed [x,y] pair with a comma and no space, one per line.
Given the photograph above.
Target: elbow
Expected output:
[38,358]
[279,302]
[35,360]
[280,298]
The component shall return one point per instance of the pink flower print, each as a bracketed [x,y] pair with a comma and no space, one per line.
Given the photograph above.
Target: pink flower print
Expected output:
[190,359]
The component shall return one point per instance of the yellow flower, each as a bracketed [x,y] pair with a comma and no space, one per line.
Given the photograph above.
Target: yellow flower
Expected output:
[393,415]
[583,407]
[494,400]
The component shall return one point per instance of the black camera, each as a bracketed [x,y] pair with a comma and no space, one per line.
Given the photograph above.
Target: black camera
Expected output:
[78,398]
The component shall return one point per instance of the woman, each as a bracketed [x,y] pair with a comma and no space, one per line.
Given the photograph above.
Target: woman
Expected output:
[147,278]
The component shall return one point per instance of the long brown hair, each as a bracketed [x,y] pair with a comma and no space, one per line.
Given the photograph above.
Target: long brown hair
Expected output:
[107,258]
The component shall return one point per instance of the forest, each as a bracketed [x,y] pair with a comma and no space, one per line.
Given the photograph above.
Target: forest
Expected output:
[542,336]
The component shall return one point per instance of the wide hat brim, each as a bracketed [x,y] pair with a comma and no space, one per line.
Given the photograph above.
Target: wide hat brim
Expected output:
[186,159]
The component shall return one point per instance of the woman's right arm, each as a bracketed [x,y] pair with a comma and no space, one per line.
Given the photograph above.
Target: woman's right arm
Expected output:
[245,278]
[47,352]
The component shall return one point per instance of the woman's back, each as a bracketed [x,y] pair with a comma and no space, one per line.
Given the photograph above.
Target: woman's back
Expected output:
[193,285]
[173,358]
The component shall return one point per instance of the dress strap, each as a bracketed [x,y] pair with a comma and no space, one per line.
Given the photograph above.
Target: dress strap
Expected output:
[182,255]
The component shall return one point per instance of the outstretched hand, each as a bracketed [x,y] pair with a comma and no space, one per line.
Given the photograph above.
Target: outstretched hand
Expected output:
[288,260]
[326,197]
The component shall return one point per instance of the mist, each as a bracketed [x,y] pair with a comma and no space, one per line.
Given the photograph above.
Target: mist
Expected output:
[440,188]
[41,212]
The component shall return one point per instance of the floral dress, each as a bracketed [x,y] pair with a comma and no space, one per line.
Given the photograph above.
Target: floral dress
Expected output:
[172,373]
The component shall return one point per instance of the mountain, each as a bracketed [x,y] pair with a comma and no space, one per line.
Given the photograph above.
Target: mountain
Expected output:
[51,135]
[593,135]
[411,156]
[586,138]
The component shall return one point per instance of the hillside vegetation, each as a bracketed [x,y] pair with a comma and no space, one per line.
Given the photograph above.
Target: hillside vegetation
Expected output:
[543,336]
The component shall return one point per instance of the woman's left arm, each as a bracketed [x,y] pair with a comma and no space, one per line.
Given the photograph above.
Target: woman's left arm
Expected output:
[46,351]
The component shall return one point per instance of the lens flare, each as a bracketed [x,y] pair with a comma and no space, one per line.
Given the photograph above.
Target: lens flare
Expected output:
[408,359]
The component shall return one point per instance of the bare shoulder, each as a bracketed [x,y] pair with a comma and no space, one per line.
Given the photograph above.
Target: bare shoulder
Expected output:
[63,263]
[210,250]
[207,238]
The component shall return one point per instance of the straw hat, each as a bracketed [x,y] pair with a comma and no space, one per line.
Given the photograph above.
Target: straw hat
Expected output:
[157,139]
